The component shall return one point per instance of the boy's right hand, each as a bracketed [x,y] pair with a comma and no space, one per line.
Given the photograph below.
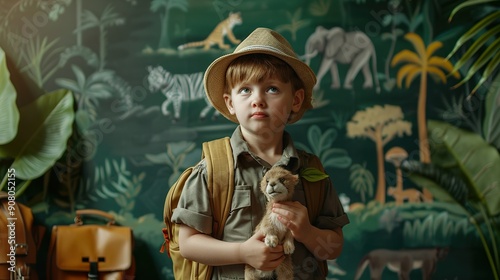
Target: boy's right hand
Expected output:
[258,255]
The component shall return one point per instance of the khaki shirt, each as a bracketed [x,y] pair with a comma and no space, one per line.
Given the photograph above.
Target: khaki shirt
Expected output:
[248,206]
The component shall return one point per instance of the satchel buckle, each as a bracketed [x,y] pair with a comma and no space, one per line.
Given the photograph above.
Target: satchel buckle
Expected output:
[21,249]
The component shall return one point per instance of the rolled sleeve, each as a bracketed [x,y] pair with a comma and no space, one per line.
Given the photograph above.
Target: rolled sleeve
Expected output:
[332,216]
[194,208]
[200,222]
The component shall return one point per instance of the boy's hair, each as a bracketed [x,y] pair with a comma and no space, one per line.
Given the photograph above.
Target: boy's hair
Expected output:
[256,67]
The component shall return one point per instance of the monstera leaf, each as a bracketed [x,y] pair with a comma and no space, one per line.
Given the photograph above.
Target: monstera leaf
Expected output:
[44,128]
[9,115]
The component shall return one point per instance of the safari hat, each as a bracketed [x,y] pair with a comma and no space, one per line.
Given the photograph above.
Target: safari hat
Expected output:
[260,41]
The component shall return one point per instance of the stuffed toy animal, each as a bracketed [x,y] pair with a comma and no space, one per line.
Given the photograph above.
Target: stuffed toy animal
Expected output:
[278,184]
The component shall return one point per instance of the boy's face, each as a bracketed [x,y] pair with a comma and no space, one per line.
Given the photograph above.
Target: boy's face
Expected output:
[263,106]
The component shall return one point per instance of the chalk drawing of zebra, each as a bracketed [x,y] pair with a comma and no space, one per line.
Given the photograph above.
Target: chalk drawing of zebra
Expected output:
[178,88]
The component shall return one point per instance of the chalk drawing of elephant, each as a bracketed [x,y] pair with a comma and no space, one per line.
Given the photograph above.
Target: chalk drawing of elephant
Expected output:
[338,46]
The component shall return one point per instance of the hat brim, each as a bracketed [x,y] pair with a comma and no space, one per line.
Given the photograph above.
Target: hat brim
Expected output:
[215,79]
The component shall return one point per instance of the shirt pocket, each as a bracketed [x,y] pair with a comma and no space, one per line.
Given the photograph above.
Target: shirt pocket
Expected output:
[239,224]
[241,198]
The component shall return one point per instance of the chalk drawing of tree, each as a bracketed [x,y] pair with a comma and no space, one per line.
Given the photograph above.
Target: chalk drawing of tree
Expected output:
[380,124]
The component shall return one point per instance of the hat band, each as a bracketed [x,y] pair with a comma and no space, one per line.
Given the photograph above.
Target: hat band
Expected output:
[262,47]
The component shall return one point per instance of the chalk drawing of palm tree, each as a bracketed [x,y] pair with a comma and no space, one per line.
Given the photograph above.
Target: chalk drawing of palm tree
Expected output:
[108,18]
[422,63]
[164,7]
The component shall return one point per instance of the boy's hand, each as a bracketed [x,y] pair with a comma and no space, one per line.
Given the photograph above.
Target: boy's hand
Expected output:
[295,217]
[257,254]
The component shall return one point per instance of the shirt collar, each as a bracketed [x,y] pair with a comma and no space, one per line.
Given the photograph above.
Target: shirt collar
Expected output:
[289,158]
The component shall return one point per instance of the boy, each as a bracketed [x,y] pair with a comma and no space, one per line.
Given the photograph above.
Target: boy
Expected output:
[262,86]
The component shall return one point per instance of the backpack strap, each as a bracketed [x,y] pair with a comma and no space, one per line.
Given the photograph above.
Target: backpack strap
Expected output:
[315,194]
[220,169]
[314,191]
[220,172]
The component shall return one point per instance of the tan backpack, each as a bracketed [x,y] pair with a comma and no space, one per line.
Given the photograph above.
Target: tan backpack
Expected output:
[220,169]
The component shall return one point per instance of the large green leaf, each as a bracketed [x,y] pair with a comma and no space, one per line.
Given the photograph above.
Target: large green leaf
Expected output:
[44,128]
[478,161]
[9,115]
[444,185]
[491,126]
[437,191]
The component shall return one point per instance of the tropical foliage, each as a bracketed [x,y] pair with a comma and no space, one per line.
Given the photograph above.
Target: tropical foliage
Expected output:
[465,172]
[321,145]
[10,118]
[35,133]
[483,53]
[362,181]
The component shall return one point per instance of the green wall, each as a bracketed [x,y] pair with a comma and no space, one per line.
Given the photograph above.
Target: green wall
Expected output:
[128,146]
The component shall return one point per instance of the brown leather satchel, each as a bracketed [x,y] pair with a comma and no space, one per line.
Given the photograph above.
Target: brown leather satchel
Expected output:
[19,238]
[93,251]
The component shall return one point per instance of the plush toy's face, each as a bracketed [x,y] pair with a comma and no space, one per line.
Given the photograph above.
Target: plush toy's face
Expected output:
[279,184]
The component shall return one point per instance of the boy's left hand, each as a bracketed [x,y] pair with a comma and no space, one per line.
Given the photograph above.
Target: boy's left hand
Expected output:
[295,217]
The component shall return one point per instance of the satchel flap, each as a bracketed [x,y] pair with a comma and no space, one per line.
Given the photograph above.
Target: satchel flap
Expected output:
[110,246]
